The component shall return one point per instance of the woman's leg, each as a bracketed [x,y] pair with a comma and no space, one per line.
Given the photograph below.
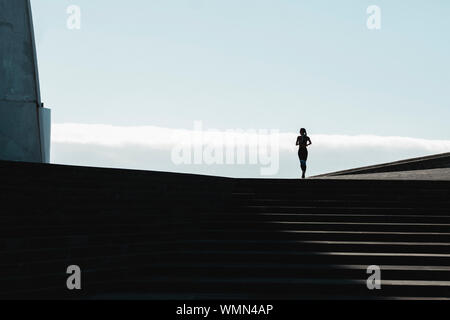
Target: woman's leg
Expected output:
[303,155]
[304,163]
[303,166]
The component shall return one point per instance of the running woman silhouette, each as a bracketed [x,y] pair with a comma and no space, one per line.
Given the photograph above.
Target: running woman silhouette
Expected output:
[303,141]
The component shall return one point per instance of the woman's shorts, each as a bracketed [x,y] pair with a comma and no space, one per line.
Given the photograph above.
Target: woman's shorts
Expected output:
[303,154]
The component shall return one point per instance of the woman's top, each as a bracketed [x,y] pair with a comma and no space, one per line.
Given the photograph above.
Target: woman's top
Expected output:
[302,141]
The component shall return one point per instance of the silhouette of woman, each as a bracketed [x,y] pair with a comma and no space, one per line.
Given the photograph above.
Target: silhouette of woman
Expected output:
[303,141]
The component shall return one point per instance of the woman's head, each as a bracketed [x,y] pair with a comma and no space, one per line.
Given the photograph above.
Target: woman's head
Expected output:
[303,131]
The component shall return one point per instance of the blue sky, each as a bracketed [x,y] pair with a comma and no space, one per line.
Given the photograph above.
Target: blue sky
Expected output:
[281,65]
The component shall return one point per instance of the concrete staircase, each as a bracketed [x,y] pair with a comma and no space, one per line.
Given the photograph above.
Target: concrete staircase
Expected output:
[151,235]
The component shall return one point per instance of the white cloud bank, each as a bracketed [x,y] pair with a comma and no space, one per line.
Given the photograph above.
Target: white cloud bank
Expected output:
[150,148]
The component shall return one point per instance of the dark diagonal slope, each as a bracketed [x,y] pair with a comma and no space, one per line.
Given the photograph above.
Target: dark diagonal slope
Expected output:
[438,161]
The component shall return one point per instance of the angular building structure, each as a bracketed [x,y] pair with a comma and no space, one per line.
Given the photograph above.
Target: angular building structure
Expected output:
[24,123]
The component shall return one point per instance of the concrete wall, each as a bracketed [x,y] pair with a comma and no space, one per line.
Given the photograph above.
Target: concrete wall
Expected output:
[20,128]
[45,133]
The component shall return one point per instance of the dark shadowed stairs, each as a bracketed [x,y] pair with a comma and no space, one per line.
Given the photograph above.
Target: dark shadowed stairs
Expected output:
[151,235]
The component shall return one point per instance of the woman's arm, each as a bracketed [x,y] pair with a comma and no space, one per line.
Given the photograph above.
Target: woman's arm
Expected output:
[298,141]
[309,141]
